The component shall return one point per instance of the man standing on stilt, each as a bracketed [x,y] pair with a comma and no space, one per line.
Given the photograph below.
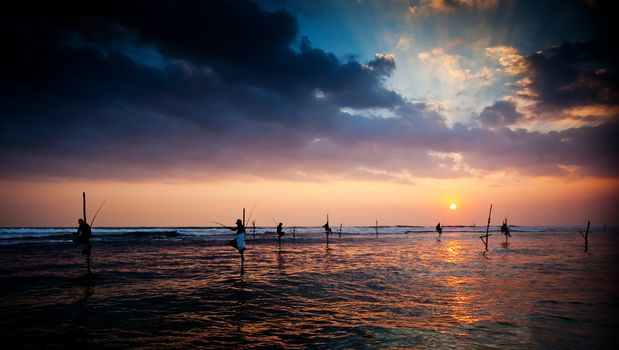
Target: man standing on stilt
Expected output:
[238,241]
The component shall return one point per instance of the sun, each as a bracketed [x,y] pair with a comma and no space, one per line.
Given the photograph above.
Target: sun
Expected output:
[453,206]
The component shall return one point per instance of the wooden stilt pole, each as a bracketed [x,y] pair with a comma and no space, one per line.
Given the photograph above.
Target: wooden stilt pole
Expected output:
[586,236]
[253,231]
[340,232]
[243,251]
[294,229]
[88,246]
[487,229]
[327,240]
[86,249]
[376,228]
[242,263]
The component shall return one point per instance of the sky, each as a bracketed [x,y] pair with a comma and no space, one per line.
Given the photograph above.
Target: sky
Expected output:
[183,113]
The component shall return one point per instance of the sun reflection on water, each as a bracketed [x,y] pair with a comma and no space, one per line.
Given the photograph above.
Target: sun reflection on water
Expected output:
[453,252]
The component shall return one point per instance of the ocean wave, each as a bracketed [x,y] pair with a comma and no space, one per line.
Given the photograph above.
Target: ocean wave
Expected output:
[60,234]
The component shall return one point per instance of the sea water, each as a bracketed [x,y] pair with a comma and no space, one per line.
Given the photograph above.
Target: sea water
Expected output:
[401,288]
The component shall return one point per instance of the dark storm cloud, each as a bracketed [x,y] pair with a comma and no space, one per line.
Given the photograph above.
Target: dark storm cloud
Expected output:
[228,78]
[149,89]
[575,73]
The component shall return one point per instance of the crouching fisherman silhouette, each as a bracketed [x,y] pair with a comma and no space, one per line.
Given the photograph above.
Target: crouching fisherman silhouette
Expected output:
[82,236]
[505,229]
[327,228]
[238,241]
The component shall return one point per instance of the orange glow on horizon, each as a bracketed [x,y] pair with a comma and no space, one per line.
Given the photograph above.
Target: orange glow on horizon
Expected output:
[530,201]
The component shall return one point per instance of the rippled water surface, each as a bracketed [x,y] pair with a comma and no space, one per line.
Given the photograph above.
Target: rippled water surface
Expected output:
[394,291]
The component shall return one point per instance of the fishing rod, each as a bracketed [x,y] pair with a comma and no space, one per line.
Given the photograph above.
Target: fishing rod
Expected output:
[272,218]
[220,224]
[97,212]
[252,210]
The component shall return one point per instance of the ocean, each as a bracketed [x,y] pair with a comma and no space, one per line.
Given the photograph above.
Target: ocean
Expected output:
[402,288]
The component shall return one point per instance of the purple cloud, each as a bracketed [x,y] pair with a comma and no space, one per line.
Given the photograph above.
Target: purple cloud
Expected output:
[205,89]
[502,113]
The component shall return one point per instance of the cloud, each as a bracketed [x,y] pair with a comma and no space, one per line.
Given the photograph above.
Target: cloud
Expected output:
[574,73]
[581,151]
[447,65]
[226,68]
[567,85]
[424,7]
[449,68]
[568,93]
[508,57]
[502,113]
[382,64]
[210,89]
